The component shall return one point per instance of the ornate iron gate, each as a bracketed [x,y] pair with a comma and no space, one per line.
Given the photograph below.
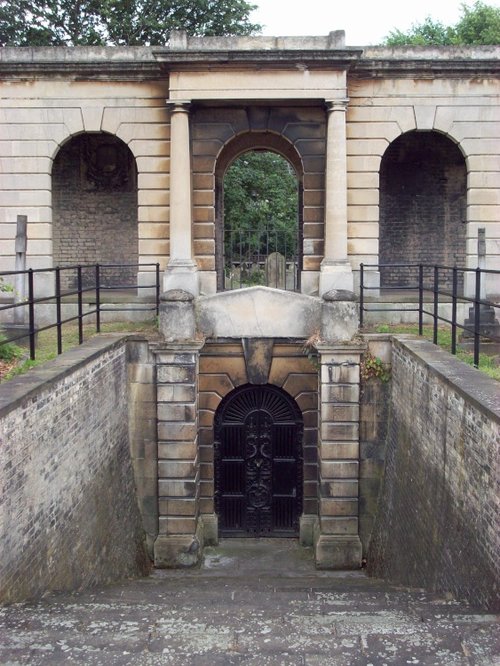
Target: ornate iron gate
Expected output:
[258,463]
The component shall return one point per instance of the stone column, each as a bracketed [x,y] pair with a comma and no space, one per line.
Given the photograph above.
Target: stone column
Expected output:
[181,271]
[180,533]
[337,541]
[336,272]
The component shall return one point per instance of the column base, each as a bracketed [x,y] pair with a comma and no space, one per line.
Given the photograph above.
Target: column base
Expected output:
[210,526]
[182,275]
[307,529]
[338,552]
[177,552]
[335,275]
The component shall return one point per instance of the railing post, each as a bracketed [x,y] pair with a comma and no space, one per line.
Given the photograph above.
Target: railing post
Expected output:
[454,311]
[157,290]
[477,317]
[58,310]
[361,294]
[97,298]
[420,299]
[31,313]
[80,304]
[436,304]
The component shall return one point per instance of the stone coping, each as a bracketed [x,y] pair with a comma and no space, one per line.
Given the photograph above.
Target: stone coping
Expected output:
[472,384]
[146,63]
[17,390]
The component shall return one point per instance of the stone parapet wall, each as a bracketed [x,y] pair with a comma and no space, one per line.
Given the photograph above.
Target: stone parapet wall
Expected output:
[437,523]
[69,516]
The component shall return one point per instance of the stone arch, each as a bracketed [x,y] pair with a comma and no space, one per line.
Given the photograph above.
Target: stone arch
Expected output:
[423,193]
[94,201]
[239,145]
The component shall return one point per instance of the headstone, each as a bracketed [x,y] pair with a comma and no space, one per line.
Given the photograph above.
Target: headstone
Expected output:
[275,270]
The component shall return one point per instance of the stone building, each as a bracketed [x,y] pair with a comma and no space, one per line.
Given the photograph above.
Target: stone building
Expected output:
[118,155]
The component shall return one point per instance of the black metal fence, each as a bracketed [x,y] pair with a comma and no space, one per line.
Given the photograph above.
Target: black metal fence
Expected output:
[433,286]
[261,257]
[90,282]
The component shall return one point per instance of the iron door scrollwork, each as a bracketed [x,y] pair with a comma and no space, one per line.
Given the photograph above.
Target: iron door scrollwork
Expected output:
[258,463]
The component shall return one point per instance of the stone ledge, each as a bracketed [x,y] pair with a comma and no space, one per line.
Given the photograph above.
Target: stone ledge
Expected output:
[472,384]
[23,387]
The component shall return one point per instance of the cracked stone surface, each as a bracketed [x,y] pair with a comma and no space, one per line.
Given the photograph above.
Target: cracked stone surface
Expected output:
[252,603]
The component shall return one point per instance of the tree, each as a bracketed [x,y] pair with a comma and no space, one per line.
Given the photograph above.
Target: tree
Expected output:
[260,205]
[118,22]
[478,24]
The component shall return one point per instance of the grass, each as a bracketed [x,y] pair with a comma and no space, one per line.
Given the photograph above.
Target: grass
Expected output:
[46,347]
[487,363]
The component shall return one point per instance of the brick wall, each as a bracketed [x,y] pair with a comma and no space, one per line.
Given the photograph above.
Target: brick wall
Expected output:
[422,204]
[69,516]
[95,223]
[437,525]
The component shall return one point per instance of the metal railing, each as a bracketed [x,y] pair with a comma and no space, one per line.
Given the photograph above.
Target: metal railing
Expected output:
[82,279]
[442,284]
[260,257]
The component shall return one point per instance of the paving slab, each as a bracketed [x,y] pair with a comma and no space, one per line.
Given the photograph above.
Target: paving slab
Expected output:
[251,603]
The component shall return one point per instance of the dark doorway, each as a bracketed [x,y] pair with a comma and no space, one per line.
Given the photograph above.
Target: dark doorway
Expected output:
[423,193]
[258,463]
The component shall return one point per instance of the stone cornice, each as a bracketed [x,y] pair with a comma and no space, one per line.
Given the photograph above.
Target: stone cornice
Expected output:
[428,62]
[146,63]
[283,58]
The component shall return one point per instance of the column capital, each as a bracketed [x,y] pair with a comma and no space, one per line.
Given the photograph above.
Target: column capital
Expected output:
[176,105]
[337,104]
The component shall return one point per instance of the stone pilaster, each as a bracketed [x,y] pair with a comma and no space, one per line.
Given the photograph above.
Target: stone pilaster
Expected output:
[338,545]
[180,534]
[181,271]
[336,272]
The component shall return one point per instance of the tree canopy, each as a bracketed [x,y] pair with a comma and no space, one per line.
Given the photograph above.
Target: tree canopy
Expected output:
[260,204]
[479,24]
[118,22]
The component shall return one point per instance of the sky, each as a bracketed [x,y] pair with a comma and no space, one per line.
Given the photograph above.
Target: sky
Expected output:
[365,22]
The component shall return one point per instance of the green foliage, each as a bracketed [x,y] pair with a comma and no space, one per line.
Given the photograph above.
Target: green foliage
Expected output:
[479,24]
[260,195]
[5,287]
[118,22]
[373,368]
[8,350]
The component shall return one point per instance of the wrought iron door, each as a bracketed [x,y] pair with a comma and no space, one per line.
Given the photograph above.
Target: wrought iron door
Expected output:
[258,463]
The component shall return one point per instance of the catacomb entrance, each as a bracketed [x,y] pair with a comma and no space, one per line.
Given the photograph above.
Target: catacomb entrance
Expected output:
[258,463]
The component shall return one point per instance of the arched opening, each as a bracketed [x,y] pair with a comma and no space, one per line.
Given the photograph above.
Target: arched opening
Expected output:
[423,190]
[94,185]
[258,432]
[259,214]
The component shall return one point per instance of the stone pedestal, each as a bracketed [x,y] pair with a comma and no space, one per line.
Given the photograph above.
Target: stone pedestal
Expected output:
[337,542]
[180,533]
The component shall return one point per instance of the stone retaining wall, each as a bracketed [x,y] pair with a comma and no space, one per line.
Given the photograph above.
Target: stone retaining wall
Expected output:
[69,516]
[437,524]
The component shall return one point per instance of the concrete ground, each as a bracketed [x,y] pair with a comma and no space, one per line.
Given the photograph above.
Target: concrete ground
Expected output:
[252,603]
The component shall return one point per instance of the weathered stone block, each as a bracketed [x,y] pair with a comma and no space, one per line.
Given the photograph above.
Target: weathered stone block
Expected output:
[337,552]
[176,488]
[176,470]
[339,470]
[339,451]
[177,431]
[338,507]
[171,552]
[177,450]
